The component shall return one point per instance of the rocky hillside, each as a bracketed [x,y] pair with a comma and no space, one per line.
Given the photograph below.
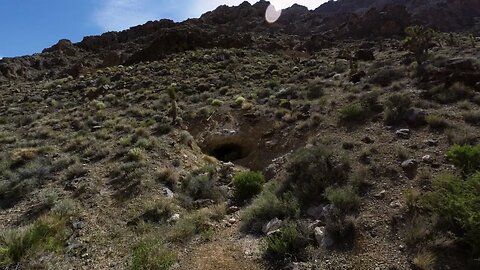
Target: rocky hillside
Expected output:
[339,138]
[244,26]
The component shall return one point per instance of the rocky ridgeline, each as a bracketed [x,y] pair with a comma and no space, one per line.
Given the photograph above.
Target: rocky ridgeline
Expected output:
[244,26]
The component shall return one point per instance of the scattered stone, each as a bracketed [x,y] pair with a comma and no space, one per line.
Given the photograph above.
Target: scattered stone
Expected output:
[232,209]
[403,133]
[174,218]
[427,158]
[380,194]
[367,140]
[272,226]
[409,164]
[78,224]
[431,142]
[168,192]
[232,220]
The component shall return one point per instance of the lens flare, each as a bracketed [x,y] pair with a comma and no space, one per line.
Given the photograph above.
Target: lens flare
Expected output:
[272,14]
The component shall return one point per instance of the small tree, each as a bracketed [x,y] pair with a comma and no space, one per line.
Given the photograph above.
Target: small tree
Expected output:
[419,41]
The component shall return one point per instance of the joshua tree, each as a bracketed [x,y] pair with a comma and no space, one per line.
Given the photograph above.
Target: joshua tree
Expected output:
[419,41]
[172,93]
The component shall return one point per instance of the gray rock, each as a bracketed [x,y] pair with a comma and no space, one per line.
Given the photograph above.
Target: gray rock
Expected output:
[427,158]
[431,142]
[168,193]
[409,164]
[174,218]
[324,239]
[403,133]
[272,226]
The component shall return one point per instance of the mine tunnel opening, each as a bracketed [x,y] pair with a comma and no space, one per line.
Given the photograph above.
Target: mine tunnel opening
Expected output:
[229,152]
[228,148]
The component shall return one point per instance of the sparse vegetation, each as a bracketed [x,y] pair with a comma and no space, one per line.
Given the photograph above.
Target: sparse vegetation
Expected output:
[247,184]
[152,255]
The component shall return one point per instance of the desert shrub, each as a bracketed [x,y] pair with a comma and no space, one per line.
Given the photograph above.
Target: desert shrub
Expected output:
[344,199]
[436,122]
[472,117]
[341,227]
[461,135]
[136,154]
[76,171]
[314,89]
[456,201]
[465,157]
[247,184]
[416,231]
[188,226]
[167,177]
[269,205]
[360,179]
[311,170]
[201,184]
[158,212]
[385,76]
[162,129]
[285,246]
[353,112]
[424,260]
[396,107]
[412,197]
[370,102]
[456,92]
[46,234]
[151,255]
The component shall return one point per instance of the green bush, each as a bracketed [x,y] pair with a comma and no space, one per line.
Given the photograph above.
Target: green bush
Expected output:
[396,108]
[269,205]
[285,246]
[466,158]
[152,255]
[47,233]
[353,112]
[311,170]
[247,184]
[457,202]
[344,199]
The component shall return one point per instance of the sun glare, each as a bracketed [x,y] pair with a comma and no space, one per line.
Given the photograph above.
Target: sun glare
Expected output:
[272,14]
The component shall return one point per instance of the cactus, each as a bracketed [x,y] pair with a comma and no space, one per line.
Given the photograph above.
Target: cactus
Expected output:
[419,41]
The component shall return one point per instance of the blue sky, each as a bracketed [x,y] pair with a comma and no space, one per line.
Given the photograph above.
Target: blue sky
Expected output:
[28,26]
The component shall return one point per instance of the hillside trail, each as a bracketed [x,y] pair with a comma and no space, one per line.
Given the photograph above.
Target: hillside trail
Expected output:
[228,249]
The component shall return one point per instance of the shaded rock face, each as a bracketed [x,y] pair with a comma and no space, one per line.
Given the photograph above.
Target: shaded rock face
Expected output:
[245,26]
